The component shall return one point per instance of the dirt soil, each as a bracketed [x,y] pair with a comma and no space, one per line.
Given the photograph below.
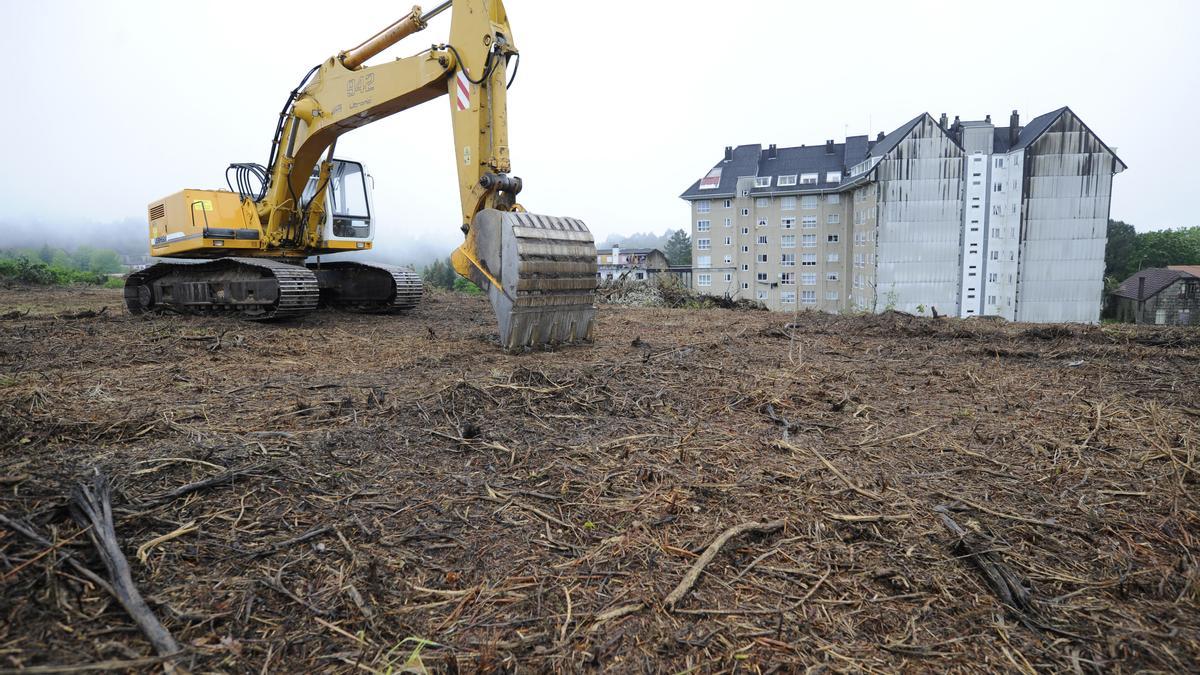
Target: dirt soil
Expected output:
[351,492]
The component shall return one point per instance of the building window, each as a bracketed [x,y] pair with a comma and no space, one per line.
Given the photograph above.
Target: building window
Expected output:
[728,260]
[729,222]
[808,202]
[704,244]
[762,296]
[745,249]
[787,203]
[833,177]
[998,187]
[831,295]
[728,241]
[704,261]
[999,163]
[832,239]
[745,230]
[787,260]
[745,267]
[762,181]
[703,206]
[808,260]
[831,276]
[728,277]
[762,257]
[762,240]
[808,222]
[787,241]
[996,232]
[786,180]
[808,279]
[787,279]
[833,218]
[761,276]
[809,178]
[762,222]
[808,240]
[762,203]
[991,300]
[704,280]
[833,199]
[745,212]
[832,257]
[787,298]
[745,192]
[808,297]
[787,223]
[703,225]
[860,195]
[728,203]
[745,285]
[991,276]
[995,255]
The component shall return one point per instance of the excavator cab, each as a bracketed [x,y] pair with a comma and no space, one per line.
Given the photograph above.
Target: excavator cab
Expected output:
[348,203]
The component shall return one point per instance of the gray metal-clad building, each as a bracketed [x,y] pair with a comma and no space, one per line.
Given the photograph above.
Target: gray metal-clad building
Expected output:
[965,217]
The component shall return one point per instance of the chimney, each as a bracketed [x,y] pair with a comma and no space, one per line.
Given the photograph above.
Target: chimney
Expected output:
[956,130]
[1014,128]
[942,121]
[879,137]
[728,152]
[987,118]
[1137,318]
[829,147]
[772,153]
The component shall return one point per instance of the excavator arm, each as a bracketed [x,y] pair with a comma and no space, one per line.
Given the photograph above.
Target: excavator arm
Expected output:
[539,271]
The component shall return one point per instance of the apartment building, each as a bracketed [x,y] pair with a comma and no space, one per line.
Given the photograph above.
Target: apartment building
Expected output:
[967,218]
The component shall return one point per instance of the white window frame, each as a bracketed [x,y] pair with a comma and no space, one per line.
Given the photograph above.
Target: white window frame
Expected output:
[786,181]
[787,241]
[703,244]
[703,225]
[809,178]
[704,279]
[762,181]
[703,206]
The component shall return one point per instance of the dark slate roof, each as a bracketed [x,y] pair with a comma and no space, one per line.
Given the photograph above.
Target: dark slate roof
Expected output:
[1036,127]
[823,159]
[893,139]
[633,251]
[1157,278]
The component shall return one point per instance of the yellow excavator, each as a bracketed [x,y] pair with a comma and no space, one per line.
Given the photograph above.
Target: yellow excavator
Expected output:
[243,251]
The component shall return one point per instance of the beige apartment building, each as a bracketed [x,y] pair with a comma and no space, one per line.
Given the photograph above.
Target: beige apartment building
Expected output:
[965,218]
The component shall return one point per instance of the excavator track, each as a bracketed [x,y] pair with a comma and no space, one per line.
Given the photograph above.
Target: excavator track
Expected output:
[256,289]
[369,288]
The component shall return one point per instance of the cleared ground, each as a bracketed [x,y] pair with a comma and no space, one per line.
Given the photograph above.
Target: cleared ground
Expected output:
[383,481]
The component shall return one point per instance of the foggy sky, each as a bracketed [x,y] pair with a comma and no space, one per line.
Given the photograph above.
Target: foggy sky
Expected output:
[618,106]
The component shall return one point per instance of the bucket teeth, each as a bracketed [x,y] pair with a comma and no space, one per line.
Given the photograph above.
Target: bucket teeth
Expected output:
[546,267]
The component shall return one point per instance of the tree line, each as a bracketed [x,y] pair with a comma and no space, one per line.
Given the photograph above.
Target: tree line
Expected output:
[1129,250]
[49,266]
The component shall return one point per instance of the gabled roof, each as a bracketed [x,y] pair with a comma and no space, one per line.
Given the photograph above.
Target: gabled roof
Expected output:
[1157,278]
[889,142]
[1042,123]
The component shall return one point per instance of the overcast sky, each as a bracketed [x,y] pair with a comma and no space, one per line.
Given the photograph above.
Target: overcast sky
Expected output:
[617,108]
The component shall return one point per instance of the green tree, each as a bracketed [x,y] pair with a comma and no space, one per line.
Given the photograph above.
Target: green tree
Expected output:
[1117,253]
[104,261]
[46,254]
[678,248]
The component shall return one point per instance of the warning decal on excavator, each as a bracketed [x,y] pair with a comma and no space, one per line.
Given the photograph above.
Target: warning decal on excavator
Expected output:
[204,204]
[464,91]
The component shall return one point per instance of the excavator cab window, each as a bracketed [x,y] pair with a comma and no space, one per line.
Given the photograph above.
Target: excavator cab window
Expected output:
[347,201]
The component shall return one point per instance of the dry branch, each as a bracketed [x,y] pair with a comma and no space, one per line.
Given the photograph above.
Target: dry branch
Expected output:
[92,506]
[711,552]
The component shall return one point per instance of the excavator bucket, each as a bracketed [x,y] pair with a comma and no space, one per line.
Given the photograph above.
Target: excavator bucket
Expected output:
[539,273]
